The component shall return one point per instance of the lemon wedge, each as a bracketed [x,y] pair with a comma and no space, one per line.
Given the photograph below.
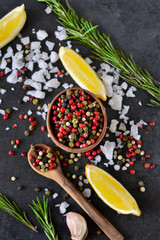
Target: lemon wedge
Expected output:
[11,24]
[81,72]
[111,191]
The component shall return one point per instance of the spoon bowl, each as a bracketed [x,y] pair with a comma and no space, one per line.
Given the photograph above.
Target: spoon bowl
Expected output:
[57,175]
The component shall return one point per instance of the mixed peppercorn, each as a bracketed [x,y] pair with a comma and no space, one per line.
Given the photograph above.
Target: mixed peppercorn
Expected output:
[76,119]
[43,159]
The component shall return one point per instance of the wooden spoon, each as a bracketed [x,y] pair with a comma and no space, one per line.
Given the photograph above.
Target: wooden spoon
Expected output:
[57,175]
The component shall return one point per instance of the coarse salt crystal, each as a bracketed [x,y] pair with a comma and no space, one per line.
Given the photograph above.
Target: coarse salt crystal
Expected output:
[107,149]
[140,103]
[122,127]
[130,91]
[61,33]
[88,60]
[54,57]
[69,44]
[108,80]
[25,99]
[113,125]
[85,181]
[7,128]
[36,94]
[25,40]
[35,45]
[116,102]
[12,78]
[124,85]
[55,195]
[36,85]
[2,111]
[48,10]
[54,83]
[29,112]
[41,34]
[15,108]
[87,192]
[116,167]
[50,45]
[62,207]
[19,47]
[66,85]
[38,76]
[134,132]
[80,184]
[3,91]
[7,70]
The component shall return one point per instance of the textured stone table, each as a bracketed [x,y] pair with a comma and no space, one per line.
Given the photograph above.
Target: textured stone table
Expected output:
[135,28]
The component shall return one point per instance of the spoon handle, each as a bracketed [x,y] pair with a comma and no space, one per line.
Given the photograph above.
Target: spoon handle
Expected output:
[97,217]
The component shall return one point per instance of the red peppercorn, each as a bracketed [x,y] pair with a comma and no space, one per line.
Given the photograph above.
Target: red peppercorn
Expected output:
[59,104]
[97,117]
[130,138]
[37,160]
[147,165]
[18,73]
[34,164]
[31,99]
[54,107]
[53,158]
[17,141]
[94,120]
[60,135]
[44,150]
[71,101]
[131,163]
[5,116]
[2,74]
[77,144]
[130,150]
[146,132]
[99,151]
[92,140]
[11,152]
[90,158]
[43,128]
[133,154]
[54,118]
[81,98]
[61,129]
[84,145]
[59,99]
[59,73]
[14,125]
[132,172]
[23,154]
[139,142]
[70,115]
[51,164]
[81,139]
[73,107]
[31,119]
[85,135]
[128,155]
[62,110]
[34,123]
[94,153]
[82,125]
[140,126]
[25,69]
[31,157]
[88,97]
[120,136]
[79,105]
[96,112]
[152,166]
[74,130]
[147,155]
[21,116]
[78,114]
[88,153]
[94,127]
[134,146]
[64,164]
[152,124]
[81,92]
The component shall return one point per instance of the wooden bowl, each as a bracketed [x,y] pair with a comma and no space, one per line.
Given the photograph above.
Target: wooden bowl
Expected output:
[76,150]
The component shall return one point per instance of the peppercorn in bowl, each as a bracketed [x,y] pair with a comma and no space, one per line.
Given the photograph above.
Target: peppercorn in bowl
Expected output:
[76,120]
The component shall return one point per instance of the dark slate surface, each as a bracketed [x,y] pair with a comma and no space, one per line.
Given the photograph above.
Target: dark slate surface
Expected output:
[135,28]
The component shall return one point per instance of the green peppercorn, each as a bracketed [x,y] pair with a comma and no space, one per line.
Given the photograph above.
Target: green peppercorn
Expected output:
[137,151]
[8,110]
[141,184]
[46,165]
[61,157]
[71,144]
[80,130]
[48,192]
[99,232]
[81,188]
[60,115]
[8,60]
[64,126]
[39,157]
[66,111]
[129,145]
[35,101]
[70,161]
[49,150]
[13,142]
[27,133]
[31,128]
[72,155]
[58,153]
[49,155]
[76,159]
[94,132]
[85,129]
[84,103]
[68,175]
[60,139]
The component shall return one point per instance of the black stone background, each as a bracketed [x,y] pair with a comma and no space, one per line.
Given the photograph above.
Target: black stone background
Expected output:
[135,28]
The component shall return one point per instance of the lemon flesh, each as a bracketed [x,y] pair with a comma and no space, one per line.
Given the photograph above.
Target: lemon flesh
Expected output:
[81,72]
[111,191]
[11,24]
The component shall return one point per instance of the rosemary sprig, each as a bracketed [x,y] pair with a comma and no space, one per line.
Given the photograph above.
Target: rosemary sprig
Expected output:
[43,216]
[87,34]
[13,209]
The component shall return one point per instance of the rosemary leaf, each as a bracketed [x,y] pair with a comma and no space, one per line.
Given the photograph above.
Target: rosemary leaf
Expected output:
[13,209]
[43,216]
[84,32]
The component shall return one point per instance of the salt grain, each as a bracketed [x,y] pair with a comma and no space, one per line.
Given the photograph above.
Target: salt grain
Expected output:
[48,10]
[55,195]
[113,125]
[36,94]
[25,40]
[54,83]
[50,45]
[54,57]
[87,192]
[107,149]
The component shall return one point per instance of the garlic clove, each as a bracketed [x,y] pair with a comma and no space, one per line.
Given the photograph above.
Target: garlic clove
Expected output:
[77,226]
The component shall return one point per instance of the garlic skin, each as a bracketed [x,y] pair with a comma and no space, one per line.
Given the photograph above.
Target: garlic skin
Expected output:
[77,226]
